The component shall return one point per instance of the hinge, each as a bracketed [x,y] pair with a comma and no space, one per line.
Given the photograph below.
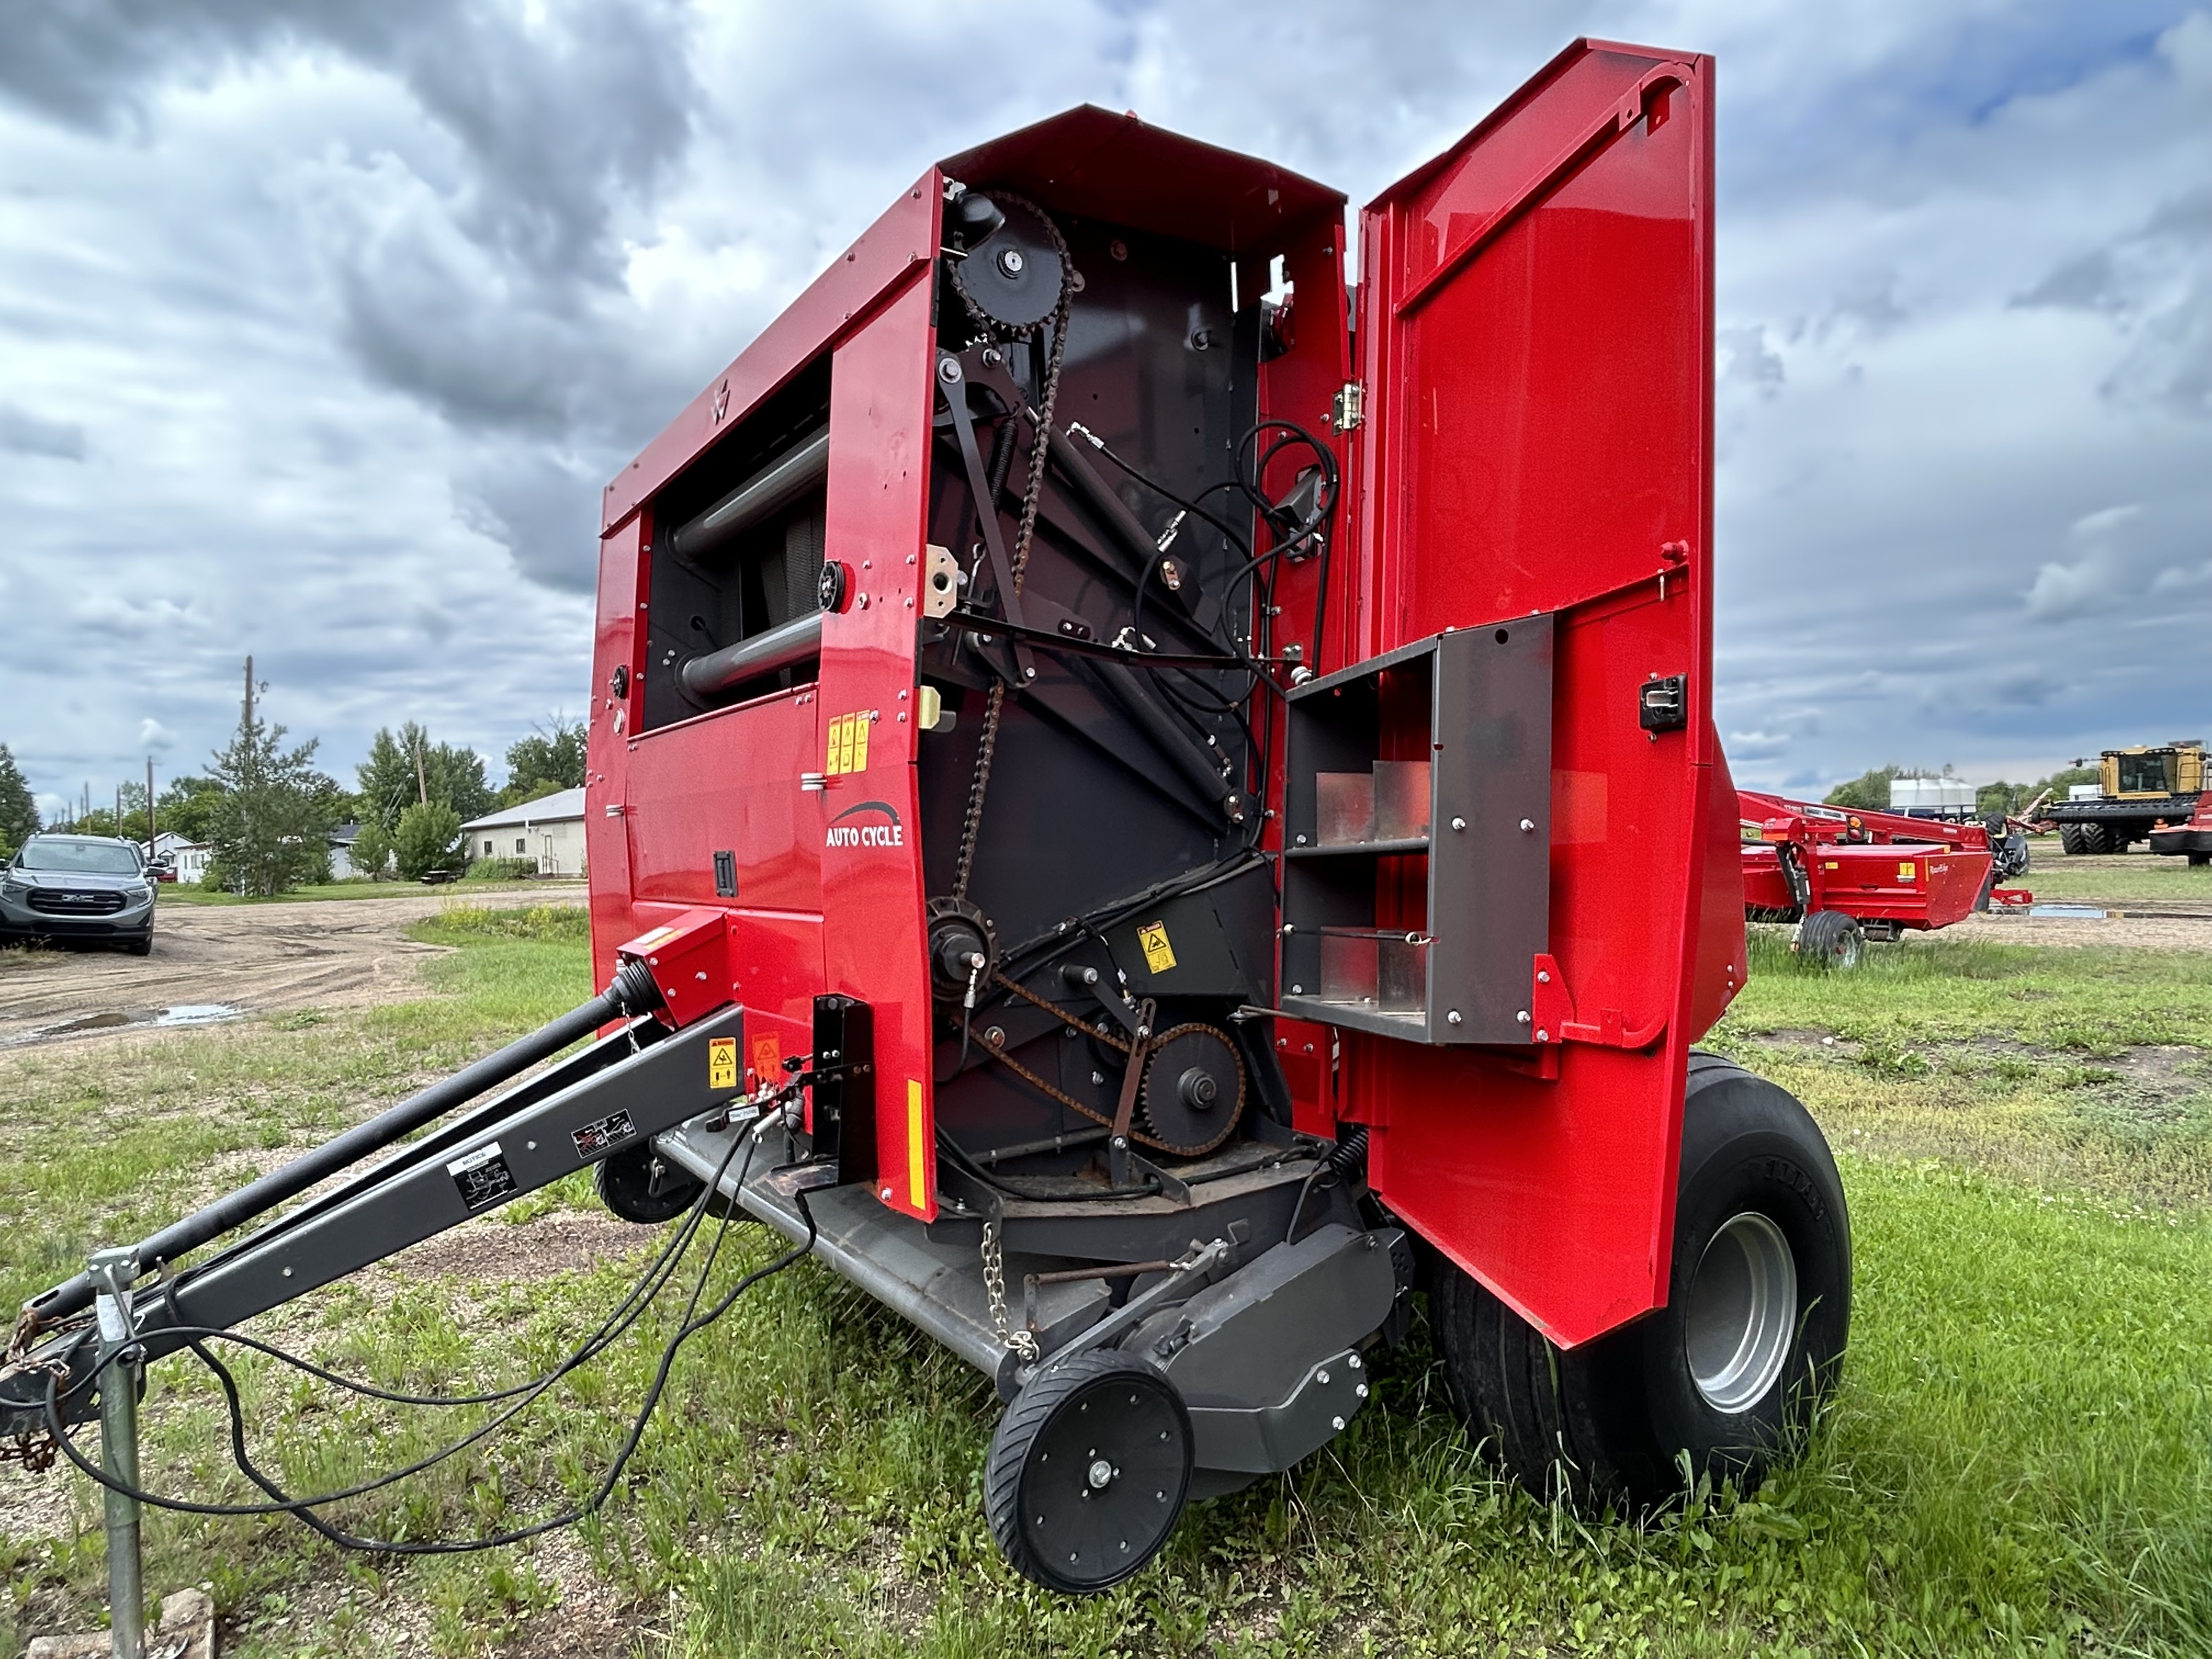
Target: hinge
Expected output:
[1348,408]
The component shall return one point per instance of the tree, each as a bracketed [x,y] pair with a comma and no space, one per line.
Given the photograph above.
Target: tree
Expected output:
[371,850]
[188,806]
[544,761]
[429,840]
[269,827]
[19,811]
[408,768]
[1869,791]
[2012,798]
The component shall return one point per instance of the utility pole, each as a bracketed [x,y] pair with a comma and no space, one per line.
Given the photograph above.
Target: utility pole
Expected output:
[149,806]
[118,811]
[422,789]
[249,696]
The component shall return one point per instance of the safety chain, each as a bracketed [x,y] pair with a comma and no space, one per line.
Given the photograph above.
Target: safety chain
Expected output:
[986,747]
[1023,1342]
[999,1053]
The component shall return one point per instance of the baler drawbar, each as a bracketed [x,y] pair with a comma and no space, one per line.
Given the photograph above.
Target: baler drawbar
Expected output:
[1149,809]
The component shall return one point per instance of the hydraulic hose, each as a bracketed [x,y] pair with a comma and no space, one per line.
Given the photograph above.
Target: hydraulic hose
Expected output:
[631,992]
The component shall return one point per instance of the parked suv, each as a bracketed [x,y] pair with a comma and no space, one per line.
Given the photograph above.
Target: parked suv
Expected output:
[84,887]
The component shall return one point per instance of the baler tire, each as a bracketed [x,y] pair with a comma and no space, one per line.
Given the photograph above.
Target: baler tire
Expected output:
[1626,1416]
[1144,1496]
[1829,939]
[624,1183]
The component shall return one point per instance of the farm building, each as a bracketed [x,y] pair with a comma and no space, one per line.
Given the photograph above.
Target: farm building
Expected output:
[549,830]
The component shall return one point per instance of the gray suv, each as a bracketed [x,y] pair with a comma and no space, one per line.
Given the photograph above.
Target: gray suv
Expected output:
[85,887]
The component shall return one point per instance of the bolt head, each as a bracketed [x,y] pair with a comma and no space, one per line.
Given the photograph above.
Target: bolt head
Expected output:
[1101,1474]
[1453,1018]
[948,369]
[1010,261]
[1527,825]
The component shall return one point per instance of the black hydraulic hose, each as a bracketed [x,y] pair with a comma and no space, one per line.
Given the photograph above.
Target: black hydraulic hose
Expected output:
[631,992]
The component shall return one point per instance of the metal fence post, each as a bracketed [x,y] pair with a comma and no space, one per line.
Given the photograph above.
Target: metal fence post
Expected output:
[113,1272]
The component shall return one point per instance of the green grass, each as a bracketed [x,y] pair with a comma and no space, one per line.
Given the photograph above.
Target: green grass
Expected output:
[2118,878]
[193,893]
[2020,1459]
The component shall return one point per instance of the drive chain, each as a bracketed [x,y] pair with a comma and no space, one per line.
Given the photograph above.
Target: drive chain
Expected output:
[988,744]
[998,1053]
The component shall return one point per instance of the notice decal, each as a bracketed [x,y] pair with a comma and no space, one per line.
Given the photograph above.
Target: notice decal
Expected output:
[1152,940]
[721,1062]
[866,824]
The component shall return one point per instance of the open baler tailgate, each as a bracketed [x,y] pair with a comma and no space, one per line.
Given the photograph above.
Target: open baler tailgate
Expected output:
[1536,329]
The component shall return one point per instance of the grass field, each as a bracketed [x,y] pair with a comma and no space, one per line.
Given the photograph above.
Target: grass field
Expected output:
[2020,1459]
[176,892]
[2117,877]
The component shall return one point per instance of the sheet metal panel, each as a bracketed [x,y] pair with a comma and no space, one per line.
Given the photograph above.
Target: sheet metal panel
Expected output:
[1536,332]
[868,809]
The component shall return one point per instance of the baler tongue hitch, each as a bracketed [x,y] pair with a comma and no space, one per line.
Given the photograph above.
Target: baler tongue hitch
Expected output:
[631,994]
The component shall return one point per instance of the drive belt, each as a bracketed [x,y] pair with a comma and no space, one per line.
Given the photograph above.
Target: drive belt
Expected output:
[1099,1034]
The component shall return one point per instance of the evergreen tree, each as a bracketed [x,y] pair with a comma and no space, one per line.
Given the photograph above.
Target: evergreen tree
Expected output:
[269,825]
[544,761]
[407,769]
[19,812]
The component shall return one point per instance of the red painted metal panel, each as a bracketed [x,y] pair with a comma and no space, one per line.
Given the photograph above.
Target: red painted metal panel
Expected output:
[1536,327]
[885,255]
[615,643]
[728,780]
[880,392]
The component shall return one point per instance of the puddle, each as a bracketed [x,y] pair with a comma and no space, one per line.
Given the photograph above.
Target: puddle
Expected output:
[196,1013]
[2072,912]
[184,1013]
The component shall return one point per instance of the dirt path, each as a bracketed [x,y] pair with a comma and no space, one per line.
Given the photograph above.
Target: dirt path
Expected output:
[2138,924]
[246,958]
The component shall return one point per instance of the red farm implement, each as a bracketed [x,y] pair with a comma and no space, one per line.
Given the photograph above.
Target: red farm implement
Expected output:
[1846,877]
[2192,840]
[1146,808]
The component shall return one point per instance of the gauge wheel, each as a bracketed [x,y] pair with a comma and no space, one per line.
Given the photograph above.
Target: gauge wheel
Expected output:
[1088,1472]
[640,1184]
[1829,938]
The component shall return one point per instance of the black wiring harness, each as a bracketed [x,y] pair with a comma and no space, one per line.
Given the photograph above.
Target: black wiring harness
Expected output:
[641,1296]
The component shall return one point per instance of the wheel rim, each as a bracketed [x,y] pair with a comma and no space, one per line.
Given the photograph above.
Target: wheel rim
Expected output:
[1103,1482]
[1742,1313]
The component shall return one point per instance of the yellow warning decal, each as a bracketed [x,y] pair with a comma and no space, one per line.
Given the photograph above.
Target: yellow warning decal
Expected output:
[721,1062]
[1906,870]
[917,1174]
[1152,940]
[848,743]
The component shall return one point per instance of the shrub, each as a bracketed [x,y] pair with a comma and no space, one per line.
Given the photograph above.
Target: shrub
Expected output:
[500,870]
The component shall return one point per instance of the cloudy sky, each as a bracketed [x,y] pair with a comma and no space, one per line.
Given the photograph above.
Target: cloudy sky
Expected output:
[321,322]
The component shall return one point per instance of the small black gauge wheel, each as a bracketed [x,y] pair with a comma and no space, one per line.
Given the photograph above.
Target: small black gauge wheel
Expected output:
[1088,1472]
[641,1185]
[1829,938]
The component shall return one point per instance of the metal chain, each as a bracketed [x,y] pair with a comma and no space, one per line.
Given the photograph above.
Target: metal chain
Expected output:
[987,748]
[999,1053]
[1023,1342]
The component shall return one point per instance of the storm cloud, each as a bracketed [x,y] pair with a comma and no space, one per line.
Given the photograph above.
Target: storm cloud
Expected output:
[325,320]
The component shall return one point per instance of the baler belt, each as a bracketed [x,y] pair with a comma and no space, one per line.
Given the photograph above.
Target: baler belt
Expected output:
[1159,1041]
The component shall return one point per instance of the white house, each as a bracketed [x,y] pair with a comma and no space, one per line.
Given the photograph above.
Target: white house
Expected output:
[549,830]
[189,859]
